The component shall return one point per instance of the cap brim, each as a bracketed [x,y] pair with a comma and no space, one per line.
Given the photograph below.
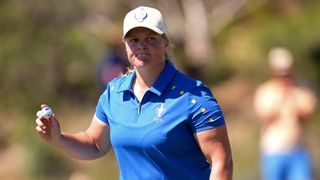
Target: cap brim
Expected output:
[157,30]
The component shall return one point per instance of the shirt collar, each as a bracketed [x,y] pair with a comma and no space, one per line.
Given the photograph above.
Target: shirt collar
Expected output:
[159,86]
[126,85]
[164,79]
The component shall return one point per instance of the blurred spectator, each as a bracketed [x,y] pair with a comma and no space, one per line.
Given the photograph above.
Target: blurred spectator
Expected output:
[283,108]
[113,63]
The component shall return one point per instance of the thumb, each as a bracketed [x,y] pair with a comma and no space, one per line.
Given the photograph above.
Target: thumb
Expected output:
[55,123]
[43,105]
[54,120]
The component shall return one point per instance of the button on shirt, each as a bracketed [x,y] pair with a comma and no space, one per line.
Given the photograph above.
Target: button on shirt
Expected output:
[154,138]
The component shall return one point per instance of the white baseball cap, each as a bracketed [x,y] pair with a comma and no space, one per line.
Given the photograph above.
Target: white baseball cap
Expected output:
[144,17]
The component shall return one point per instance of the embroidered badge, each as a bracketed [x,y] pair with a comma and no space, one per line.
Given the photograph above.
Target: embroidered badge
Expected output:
[211,120]
[193,101]
[159,113]
[140,15]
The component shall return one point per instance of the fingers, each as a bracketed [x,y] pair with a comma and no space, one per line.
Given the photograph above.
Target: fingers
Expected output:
[41,127]
[43,122]
[43,105]
[40,115]
[47,126]
[40,124]
[45,112]
[40,130]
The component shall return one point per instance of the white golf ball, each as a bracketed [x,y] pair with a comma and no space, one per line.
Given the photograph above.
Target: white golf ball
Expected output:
[46,112]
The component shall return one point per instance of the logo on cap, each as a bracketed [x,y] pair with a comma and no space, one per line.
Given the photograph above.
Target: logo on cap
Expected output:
[140,15]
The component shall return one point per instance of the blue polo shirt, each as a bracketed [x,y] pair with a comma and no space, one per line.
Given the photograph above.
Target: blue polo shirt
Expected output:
[154,139]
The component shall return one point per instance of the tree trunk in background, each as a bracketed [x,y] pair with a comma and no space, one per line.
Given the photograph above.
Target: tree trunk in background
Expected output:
[198,46]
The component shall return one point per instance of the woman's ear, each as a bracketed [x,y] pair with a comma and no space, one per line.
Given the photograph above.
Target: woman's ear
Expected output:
[124,45]
[167,42]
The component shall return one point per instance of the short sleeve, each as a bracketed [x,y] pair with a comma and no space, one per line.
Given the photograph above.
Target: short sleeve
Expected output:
[205,110]
[100,112]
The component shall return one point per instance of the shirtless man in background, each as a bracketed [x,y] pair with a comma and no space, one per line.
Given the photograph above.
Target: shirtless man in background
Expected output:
[283,108]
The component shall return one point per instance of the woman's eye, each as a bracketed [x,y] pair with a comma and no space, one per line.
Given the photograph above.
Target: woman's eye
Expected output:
[151,39]
[133,40]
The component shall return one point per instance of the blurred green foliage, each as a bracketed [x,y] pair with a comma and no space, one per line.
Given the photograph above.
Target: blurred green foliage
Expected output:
[49,52]
[246,42]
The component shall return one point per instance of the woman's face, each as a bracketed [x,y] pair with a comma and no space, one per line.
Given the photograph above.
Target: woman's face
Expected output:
[145,48]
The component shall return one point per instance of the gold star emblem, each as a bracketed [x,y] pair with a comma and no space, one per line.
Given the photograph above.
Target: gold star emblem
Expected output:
[211,120]
[181,92]
[173,87]
[203,110]
[193,101]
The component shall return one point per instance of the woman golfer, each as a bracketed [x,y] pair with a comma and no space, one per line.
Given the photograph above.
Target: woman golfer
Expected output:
[160,123]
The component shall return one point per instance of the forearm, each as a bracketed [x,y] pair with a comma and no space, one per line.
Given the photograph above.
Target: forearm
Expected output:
[80,146]
[222,171]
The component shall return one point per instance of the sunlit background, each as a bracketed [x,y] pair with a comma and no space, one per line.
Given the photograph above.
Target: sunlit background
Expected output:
[50,52]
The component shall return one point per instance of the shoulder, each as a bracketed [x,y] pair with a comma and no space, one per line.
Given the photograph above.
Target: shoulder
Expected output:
[119,80]
[270,84]
[189,84]
[267,87]
[120,83]
[305,92]
[194,91]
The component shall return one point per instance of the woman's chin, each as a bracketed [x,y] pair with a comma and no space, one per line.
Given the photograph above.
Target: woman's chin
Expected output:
[141,61]
[143,57]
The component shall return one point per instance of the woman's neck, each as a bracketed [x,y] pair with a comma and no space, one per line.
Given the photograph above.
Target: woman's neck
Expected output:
[147,77]
[144,80]
[141,85]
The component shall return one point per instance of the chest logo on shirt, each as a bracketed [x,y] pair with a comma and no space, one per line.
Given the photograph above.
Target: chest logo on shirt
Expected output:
[159,113]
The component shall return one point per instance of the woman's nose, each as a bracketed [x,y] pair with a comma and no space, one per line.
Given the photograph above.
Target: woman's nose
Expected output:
[142,44]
